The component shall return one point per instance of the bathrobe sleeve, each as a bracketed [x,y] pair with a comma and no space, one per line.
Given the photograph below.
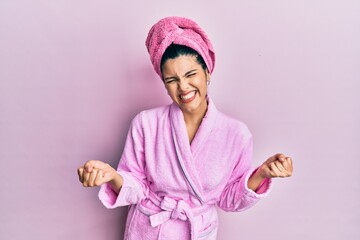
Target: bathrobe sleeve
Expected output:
[132,169]
[236,195]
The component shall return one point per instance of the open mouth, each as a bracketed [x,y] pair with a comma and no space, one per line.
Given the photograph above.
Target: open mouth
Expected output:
[188,97]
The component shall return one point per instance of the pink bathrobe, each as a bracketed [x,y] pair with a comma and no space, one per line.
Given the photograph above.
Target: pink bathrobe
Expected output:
[172,186]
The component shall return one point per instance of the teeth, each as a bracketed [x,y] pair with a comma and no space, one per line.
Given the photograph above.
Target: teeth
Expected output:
[187,96]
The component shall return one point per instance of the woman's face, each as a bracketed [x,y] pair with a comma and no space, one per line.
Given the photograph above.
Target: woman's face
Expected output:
[186,83]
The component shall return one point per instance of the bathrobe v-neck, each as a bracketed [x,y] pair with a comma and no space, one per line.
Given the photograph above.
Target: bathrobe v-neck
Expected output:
[187,153]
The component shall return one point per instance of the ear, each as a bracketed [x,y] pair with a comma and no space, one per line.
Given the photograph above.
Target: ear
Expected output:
[207,74]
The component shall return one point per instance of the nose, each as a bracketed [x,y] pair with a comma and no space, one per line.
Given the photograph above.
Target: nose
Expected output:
[183,85]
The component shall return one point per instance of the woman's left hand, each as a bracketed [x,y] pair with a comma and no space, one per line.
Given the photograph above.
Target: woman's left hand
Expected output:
[276,166]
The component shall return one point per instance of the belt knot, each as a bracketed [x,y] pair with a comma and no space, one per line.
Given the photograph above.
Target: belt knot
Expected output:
[172,209]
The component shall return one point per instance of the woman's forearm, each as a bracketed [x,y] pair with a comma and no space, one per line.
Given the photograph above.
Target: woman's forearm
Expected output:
[116,183]
[255,181]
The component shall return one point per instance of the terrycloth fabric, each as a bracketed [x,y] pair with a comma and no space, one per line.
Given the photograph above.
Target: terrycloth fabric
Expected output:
[182,31]
[172,186]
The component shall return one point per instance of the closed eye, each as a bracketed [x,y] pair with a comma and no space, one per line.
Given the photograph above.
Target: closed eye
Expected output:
[190,75]
[170,80]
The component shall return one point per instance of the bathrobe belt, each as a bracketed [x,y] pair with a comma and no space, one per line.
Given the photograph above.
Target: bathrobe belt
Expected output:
[173,209]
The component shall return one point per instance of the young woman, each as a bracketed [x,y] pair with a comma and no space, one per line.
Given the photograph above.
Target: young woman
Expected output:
[182,160]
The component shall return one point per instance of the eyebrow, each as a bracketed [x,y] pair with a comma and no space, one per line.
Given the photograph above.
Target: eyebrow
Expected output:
[187,73]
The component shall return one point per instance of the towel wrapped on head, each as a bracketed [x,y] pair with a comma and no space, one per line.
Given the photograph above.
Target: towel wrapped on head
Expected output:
[182,31]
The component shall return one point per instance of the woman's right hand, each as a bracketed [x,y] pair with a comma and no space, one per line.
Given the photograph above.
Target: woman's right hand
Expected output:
[96,173]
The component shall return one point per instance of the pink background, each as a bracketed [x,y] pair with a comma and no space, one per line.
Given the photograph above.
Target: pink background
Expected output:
[74,73]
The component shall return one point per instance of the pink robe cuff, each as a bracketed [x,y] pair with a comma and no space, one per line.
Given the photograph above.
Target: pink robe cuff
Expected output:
[262,191]
[250,197]
[129,193]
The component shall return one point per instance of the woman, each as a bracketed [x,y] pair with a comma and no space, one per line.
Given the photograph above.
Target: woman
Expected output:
[182,160]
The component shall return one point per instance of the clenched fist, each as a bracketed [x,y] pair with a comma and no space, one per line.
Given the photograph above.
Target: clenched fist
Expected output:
[276,166]
[96,173]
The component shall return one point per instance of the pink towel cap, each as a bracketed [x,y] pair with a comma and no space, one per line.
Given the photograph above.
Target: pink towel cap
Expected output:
[182,31]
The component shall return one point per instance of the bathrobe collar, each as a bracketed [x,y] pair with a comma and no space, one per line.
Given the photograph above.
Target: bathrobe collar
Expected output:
[188,154]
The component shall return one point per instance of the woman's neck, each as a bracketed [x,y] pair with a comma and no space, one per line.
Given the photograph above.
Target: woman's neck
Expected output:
[195,118]
[193,121]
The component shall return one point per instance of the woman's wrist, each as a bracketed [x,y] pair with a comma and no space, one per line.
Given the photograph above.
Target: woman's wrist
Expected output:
[116,183]
[255,180]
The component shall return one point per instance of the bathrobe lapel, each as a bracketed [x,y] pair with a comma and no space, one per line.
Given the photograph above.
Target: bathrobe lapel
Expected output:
[187,155]
[204,130]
